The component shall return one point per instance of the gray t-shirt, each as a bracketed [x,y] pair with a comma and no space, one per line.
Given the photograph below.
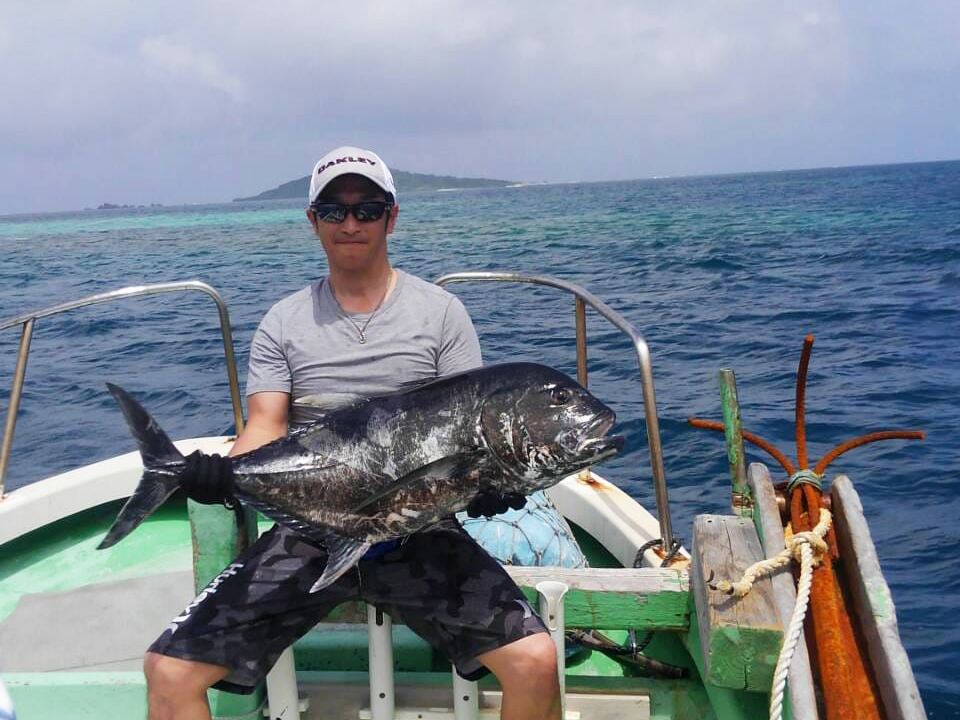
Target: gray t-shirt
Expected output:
[306,346]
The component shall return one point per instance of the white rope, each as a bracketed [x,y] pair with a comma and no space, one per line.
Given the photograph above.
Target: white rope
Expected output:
[808,548]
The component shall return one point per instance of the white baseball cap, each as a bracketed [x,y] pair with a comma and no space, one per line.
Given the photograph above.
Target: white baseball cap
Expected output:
[350,161]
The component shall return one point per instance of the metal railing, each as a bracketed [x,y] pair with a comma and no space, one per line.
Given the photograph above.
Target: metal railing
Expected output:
[27,322]
[583,298]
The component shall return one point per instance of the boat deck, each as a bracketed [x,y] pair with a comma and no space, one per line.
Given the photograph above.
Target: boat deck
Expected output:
[90,610]
[83,617]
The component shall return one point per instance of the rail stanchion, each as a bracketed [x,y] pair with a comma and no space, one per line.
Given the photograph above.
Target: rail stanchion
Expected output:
[551,610]
[380,628]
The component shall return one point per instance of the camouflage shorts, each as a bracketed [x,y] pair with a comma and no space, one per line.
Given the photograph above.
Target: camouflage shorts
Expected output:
[439,582]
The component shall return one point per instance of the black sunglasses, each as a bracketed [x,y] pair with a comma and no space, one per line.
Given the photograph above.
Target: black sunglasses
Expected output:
[366,211]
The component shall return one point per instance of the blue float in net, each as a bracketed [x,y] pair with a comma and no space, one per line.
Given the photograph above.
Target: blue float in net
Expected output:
[534,535]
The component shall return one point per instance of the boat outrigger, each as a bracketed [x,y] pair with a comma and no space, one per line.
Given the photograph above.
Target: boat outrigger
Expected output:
[647,630]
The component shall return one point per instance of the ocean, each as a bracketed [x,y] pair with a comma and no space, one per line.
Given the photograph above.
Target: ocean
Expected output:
[716,272]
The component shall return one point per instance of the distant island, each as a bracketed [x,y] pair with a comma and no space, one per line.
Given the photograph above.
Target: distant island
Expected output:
[405,182]
[111,206]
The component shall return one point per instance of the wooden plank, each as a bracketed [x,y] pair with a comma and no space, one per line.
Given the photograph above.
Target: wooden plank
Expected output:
[733,435]
[766,518]
[600,598]
[876,615]
[740,638]
[642,581]
[615,599]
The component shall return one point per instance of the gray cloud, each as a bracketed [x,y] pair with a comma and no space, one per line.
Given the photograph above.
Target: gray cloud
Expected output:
[202,101]
[176,63]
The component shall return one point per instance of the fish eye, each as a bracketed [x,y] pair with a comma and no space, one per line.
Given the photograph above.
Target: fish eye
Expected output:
[560,396]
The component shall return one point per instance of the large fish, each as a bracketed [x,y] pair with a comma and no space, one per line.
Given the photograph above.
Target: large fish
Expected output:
[385,467]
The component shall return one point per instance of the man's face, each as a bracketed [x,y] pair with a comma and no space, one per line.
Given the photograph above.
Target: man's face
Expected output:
[354,245]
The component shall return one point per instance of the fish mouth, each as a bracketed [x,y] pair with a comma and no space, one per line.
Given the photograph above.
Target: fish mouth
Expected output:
[605,446]
[596,442]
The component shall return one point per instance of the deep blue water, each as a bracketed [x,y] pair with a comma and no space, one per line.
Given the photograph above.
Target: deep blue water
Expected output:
[726,271]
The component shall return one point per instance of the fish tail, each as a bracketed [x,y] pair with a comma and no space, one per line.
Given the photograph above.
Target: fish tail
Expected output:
[162,466]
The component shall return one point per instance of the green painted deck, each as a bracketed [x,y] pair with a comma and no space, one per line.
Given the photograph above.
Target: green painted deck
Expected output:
[63,556]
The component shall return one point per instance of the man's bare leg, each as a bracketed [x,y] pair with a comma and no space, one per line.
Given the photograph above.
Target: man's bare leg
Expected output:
[527,671]
[177,689]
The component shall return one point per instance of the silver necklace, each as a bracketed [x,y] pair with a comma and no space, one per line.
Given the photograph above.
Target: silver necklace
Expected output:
[361,329]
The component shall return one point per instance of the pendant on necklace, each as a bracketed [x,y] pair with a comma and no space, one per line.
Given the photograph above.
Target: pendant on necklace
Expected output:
[362,339]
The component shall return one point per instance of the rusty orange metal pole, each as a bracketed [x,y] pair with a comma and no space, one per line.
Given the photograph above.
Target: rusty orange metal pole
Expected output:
[799,423]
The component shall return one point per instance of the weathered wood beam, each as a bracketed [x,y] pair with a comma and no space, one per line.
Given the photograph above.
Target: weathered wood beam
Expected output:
[600,598]
[740,638]
[766,518]
[873,605]
[616,599]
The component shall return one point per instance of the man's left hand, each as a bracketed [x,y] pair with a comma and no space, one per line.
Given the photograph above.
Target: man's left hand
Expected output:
[490,502]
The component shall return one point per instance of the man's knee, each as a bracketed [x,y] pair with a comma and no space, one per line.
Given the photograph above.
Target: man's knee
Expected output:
[173,677]
[540,657]
[530,662]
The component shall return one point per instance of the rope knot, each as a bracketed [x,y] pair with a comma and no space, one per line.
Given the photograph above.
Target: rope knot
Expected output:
[816,543]
[804,477]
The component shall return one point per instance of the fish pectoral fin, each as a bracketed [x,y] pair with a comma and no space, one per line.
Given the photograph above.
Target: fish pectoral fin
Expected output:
[342,554]
[449,467]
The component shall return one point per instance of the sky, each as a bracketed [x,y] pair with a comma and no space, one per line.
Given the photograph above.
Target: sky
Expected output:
[193,101]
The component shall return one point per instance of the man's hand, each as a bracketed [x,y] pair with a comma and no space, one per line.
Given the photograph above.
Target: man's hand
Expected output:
[208,479]
[490,502]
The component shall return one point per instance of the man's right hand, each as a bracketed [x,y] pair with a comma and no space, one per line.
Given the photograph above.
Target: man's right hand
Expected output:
[208,479]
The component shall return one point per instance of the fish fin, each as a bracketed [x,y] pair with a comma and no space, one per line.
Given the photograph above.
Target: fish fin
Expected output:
[314,407]
[161,464]
[342,554]
[409,385]
[414,384]
[422,382]
[451,466]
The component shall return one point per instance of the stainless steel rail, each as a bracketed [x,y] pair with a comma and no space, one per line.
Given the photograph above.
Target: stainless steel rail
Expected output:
[27,321]
[584,297]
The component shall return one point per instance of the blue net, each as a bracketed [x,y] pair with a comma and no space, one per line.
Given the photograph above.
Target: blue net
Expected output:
[534,535]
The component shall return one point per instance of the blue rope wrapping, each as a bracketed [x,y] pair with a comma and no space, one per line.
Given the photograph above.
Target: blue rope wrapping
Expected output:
[805,476]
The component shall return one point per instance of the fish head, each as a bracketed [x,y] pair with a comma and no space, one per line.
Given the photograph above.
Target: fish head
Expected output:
[542,425]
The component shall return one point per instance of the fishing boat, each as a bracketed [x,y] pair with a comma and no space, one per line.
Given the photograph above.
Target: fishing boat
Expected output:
[644,629]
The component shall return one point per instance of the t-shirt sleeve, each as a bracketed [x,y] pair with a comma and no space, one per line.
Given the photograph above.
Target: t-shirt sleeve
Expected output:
[268,370]
[459,345]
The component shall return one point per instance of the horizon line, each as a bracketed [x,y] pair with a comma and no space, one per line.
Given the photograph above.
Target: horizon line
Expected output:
[514,184]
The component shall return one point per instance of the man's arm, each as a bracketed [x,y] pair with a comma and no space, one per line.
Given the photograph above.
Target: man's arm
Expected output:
[268,412]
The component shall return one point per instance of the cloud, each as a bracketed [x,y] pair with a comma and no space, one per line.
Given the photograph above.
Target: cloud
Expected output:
[212,92]
[180,62]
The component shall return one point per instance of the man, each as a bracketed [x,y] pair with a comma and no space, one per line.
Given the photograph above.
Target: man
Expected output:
[364,330]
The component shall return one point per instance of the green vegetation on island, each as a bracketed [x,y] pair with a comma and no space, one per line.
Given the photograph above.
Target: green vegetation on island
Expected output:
[405,181]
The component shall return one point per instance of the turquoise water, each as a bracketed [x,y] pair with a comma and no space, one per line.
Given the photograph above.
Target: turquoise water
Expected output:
[726,271]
